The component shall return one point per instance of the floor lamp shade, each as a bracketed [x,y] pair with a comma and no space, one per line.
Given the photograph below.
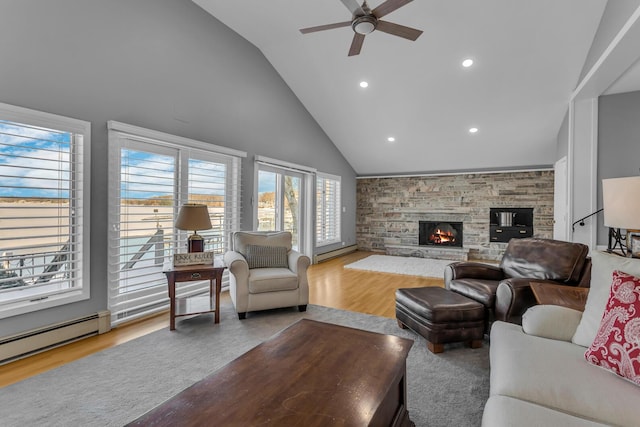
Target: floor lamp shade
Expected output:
[194,217]
[621,201]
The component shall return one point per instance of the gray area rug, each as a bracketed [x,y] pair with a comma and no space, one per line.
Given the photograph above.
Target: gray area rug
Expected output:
[117,385]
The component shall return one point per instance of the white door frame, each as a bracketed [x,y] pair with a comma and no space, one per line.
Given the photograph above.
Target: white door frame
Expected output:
[560,200]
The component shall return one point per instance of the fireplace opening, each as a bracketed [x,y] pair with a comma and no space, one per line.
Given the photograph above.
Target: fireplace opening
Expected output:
[440,233]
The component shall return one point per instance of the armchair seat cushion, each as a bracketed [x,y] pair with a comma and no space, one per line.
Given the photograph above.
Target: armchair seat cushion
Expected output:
[481,290]
[272,280]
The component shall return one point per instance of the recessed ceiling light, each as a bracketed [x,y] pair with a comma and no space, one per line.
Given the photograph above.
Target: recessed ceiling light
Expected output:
[467,63]
[473,130]
[391,139]
[364,84]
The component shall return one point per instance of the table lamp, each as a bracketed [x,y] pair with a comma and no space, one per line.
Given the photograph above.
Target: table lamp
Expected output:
[193,216]
[621,201]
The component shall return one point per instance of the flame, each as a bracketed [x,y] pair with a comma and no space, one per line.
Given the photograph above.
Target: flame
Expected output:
[440,237]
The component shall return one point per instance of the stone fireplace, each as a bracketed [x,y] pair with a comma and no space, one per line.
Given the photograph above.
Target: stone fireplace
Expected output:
[389,210]
[440,233]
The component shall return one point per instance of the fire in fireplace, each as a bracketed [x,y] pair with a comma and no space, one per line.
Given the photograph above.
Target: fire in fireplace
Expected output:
[440,233]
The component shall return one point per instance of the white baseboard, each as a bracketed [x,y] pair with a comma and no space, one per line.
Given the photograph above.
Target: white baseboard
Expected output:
[38,340]
[336,253]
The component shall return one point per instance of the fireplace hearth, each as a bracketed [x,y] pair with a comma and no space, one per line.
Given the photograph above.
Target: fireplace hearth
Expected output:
[440,233]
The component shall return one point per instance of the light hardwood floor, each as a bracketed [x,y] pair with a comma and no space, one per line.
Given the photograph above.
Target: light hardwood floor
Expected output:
[330,285]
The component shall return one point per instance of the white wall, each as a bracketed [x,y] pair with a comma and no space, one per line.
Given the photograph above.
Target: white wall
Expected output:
[160,64]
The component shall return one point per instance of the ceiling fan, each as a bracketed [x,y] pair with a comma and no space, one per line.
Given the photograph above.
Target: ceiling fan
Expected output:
[365,21]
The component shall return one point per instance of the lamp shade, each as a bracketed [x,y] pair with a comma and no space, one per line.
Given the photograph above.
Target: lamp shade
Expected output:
[621,201]
[194,217]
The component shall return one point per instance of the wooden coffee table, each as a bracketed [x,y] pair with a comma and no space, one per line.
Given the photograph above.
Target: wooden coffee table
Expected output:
[310,374]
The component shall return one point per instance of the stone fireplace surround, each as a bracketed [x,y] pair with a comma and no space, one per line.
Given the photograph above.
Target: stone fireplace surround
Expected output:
[389,210]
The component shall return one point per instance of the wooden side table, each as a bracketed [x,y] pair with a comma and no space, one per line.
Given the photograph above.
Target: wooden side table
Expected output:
[197,304]
[567,296]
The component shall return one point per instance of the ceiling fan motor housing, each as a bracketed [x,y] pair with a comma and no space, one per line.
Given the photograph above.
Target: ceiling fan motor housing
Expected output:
[364,24]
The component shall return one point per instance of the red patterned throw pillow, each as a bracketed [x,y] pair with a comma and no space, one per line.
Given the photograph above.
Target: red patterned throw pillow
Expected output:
[617,344]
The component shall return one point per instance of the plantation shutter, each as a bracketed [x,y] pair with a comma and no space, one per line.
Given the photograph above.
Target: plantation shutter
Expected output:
[142,211]
[149,180]
[42,212]
[327,209]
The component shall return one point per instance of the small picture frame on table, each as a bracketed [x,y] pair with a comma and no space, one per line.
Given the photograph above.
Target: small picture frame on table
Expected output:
[634,244]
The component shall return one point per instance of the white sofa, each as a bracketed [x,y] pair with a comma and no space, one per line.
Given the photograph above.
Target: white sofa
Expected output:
[539,375]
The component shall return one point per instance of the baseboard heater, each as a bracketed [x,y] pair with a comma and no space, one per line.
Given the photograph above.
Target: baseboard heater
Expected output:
[38,340]
[332,254]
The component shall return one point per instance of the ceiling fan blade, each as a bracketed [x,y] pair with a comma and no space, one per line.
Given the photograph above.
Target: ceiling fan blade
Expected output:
[398,30]
[388,7]
[354,7]
[325,27]
[356,44]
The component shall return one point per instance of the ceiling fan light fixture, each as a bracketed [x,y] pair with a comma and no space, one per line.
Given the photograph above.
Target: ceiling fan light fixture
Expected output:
[364,24]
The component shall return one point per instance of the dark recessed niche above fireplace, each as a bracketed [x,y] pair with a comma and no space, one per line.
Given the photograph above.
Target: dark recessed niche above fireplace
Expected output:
[440,233]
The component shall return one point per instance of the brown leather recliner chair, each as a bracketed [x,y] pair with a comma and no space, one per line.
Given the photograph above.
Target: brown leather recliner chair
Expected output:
[504,290]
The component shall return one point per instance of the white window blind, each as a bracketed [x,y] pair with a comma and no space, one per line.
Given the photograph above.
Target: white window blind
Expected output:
[327,209]
[149,180]
[43,217]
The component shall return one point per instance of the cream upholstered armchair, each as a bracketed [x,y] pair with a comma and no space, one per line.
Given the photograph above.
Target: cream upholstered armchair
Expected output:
[265,273]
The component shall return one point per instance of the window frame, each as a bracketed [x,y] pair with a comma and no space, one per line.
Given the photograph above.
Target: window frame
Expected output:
[81,131]
[121,136]
[321,217]
[306,230]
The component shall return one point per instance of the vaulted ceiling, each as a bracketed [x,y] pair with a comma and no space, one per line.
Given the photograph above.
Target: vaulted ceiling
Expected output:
[528,56]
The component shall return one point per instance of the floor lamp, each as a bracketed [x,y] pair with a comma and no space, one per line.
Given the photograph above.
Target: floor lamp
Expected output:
[621,200]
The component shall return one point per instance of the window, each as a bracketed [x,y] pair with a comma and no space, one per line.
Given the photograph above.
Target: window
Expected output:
[151,175]
[327,209]
[284,194]
[44,221]
[279,206]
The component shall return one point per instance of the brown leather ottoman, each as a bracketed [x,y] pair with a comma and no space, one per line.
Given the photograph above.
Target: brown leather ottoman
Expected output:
[441,316]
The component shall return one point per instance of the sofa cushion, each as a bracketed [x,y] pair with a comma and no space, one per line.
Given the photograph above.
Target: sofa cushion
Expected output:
[272,280]
[617,343]
[551,321]
[266,256]
[507,411]
[603,266]
[544,259]
[555,374]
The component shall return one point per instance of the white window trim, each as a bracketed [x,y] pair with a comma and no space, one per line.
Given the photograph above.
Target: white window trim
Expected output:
[307,219]
[121,131]
[321,243]
[53,121]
